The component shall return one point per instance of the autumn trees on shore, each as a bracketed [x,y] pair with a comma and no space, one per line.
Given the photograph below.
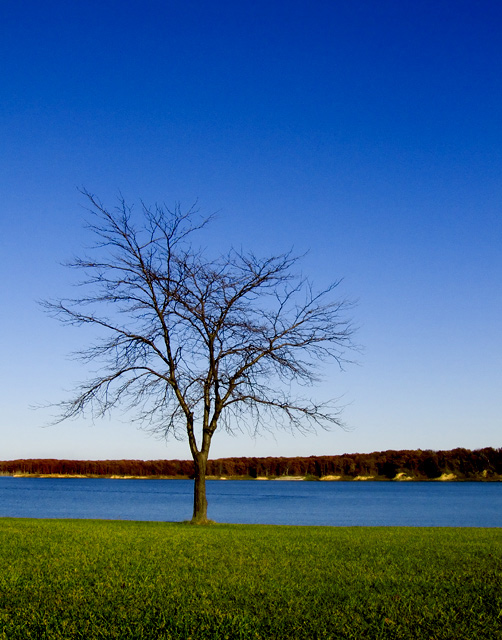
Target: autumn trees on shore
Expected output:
[420,465]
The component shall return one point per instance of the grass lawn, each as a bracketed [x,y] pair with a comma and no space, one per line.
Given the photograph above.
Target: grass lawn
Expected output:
[133,580]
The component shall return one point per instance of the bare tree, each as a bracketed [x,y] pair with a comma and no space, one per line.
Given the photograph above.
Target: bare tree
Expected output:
[190,343]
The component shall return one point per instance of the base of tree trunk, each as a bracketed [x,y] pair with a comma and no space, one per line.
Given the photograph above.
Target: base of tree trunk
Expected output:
[201,521]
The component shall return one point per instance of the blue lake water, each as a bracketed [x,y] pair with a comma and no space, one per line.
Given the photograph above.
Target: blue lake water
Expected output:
[416,504]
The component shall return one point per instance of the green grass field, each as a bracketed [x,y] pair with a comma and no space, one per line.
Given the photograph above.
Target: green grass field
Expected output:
[134,580]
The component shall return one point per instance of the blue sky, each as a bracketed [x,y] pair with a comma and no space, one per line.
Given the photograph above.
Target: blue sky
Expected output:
[368,133]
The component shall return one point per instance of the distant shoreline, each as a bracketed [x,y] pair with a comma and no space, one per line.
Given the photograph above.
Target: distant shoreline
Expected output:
[445,477]
[456,465]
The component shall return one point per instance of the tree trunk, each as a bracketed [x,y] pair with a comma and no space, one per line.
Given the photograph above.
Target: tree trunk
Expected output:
[199,498]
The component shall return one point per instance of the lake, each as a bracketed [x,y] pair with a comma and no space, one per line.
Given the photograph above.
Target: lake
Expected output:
[416,504]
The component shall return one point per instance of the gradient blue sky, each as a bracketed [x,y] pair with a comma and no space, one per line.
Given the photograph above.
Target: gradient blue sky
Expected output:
[368,133]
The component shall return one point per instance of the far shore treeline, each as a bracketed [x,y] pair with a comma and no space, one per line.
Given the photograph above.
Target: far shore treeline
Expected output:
[457,464]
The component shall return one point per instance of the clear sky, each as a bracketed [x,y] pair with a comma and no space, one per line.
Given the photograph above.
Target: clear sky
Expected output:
[367,132]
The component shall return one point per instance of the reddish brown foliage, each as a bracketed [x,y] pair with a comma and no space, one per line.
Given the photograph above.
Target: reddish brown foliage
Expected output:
[464,463]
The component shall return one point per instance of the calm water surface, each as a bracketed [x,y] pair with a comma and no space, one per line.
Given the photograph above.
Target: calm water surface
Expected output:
[463,504]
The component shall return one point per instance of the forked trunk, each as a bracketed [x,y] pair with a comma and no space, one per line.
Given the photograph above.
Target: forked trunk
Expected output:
[199,498]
